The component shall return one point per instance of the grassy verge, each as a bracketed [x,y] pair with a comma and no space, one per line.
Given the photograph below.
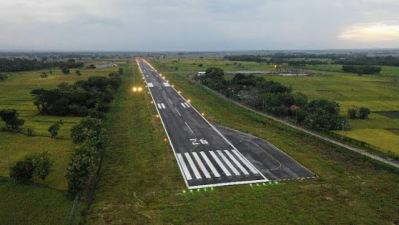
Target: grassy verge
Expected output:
[142,183]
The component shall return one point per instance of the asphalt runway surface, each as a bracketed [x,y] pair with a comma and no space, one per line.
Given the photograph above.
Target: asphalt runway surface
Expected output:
[206,158]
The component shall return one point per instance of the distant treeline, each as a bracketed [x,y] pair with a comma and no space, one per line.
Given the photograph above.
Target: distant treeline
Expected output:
[276,99]
[296,59]
[83,98]
[361,69]
[18,64]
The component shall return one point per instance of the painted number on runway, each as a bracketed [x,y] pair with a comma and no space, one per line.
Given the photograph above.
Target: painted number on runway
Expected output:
[195,141]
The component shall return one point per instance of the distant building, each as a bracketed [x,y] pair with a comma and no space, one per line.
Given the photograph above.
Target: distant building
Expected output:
[200,74]
[106,66]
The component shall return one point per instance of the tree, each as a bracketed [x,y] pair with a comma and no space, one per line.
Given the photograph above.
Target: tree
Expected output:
[3,77]
[65,70]
[78,72]
[43,75]
[86,129]
[10,117]
[120,71]
[53,129]
[91,66]
[352,113]
[364,113]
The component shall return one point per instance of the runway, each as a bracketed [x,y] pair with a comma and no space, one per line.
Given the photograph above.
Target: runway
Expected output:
[206,158]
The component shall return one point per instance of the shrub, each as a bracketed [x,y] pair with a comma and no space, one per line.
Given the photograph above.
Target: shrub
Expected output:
[36,165]
[352,112]
[10,117]
[22,171]
[30,131]
[364,112]
[53,129]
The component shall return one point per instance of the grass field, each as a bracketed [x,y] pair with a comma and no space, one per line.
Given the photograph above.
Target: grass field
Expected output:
[44,202]
[142,183]
[377,92]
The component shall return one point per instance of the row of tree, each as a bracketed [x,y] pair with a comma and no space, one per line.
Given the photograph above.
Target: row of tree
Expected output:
[80,99]
[275,98]
[18,64]
[361,69]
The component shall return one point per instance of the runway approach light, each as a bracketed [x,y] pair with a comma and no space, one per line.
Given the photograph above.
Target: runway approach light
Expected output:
[165,139]
[157,116]
[134,89]
[203,114]
[152,102]
[140,89]
[188,100]
[137,89]
[179,92]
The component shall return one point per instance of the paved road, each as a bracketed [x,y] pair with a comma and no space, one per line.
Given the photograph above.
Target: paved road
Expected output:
[205,157]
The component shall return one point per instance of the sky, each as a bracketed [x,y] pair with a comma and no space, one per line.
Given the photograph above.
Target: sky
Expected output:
[197,25]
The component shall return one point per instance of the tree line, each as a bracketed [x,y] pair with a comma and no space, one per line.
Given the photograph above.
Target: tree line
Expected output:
[83,98]
[21,64]
[362,69]
[277,99]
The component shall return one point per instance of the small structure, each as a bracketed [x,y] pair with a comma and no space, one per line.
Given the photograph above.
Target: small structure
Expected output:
[200,74]
[106,66]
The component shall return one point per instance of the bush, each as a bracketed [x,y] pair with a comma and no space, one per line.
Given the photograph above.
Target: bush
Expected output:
[30,131]
[352,113]
[36,165]
[364,113]
[53,129]
[22,171]
[3,77]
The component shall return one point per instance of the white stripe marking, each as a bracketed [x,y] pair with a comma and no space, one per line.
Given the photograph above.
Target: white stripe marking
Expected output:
[184,106]
[163,105]
[170,101]
[159,106]
[235,171]
[199,162]
[220,164]
[166,84]
[187,104]
[150,85]
[247,164]
[236,162]
[178,112]
[189,127]
[184,167]
[192,165]
[213,169]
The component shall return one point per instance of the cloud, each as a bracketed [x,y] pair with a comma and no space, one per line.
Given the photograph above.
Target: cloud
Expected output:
[371,32]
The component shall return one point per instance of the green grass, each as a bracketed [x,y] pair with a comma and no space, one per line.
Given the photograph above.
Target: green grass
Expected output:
[44,202]
[142,183]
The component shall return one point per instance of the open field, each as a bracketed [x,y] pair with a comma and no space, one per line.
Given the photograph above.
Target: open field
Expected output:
[377,92]
[142,183]
[44,202]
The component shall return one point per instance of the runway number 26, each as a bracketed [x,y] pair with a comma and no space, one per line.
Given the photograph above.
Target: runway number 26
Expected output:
[195,141]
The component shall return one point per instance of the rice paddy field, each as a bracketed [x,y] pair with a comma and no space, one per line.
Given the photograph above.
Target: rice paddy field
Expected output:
[379,92]
[42,202]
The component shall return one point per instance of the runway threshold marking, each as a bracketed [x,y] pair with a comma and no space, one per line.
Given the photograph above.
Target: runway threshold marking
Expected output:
[150,85]
[235,171]
[184,167]
[159,106]
[236,162]
[184,106]
[220,164]
[209,163]
[192,165]
[188,106]
[250,166]
[202,167]
[163,105]
[166,84]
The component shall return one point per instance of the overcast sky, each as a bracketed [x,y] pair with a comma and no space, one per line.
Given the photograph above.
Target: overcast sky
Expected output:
[197,25]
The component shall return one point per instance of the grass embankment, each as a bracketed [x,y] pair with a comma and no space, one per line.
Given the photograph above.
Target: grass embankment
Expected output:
[377,92]
[142,183]
[44,203]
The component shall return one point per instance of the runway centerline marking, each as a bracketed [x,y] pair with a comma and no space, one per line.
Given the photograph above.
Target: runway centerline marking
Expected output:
[178,112]
[189,127]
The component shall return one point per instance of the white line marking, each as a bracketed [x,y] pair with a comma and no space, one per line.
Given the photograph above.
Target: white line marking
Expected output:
[170,101]
[163,105]
[150,85]
[178,112]
[183,164]
[193,167]
[159,106]
[236,162]
[250,166]
[188,106]
[166,84]
[189,127]
[235,171]
[220,164]
[213,169]
[184,106]
[199,162]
